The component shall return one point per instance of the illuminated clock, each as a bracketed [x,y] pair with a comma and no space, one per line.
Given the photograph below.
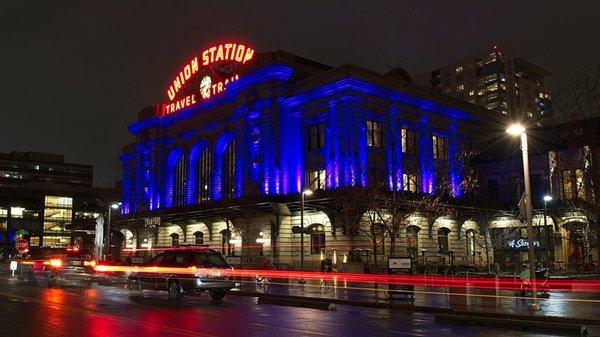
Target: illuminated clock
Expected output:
[205,85]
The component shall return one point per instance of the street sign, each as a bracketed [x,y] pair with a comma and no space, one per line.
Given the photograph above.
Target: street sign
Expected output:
[400,266]
[22,246]
[399,263]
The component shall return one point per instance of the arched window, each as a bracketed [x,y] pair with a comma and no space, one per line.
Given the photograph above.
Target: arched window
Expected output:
[174,239]
[228,182]
[179,181]
[470,241]
[443,240]
[412,240]
[317,239]
[204,170]
[199,238]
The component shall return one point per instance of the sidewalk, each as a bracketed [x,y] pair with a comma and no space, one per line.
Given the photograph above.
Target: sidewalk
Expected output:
[579,306]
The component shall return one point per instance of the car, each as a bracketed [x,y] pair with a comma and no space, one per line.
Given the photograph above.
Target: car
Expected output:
[60,266]
[181,271]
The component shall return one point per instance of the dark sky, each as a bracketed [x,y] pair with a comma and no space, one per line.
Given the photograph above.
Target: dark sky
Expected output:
[74,74]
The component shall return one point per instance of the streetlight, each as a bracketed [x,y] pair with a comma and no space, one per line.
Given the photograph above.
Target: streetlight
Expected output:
[547,198]
[115,206]
[519,130]
[306,192]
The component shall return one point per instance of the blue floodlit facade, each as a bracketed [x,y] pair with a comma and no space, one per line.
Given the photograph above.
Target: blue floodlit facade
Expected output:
[254,139]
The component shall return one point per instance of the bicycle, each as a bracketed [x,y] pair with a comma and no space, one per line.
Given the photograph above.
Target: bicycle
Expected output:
[325,286]
[297,284]
[261,284]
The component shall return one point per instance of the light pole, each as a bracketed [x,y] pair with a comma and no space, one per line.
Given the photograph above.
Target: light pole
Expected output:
[519,130]
[115,206]
[305,192]
[546,232]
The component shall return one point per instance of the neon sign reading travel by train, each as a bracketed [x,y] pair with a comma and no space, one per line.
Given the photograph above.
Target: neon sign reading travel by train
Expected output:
[206,75]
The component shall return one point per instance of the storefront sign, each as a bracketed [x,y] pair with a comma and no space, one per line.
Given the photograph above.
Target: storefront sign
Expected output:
[195,82]
[154,221]
[519,244]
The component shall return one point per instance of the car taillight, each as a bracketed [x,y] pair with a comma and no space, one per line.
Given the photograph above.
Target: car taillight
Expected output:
[91,263]
[100,268]
[56,262]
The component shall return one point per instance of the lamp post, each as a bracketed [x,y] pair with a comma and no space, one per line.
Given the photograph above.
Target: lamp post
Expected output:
[519,130]
[546,232]
[115,206]
[305,192]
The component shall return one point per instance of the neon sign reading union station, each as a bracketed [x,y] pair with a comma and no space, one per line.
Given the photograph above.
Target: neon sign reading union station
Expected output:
[221,65]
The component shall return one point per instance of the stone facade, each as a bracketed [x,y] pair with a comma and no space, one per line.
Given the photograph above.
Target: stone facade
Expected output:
[290,124]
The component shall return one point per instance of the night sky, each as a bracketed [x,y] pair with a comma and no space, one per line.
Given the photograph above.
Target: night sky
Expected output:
[74,74]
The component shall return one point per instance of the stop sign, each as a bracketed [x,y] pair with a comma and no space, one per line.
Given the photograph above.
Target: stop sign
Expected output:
[22,246]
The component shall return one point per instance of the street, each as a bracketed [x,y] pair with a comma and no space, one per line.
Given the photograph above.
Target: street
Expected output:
[34,310]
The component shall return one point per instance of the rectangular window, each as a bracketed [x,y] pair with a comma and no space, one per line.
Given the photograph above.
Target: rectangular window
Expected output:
[408,141]
[410,182]
[374,134]
[53,201]
[16,212]
[316,179]
[567,184]
[579,181]
[440,151]
[316,136]
[317,242]
[57,214]
[55,241]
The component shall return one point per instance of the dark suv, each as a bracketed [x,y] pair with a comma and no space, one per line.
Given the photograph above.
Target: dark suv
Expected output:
[183,271]
[58,266]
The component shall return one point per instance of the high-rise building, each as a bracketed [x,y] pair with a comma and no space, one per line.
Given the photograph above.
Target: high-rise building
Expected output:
[47,201]
[496,81]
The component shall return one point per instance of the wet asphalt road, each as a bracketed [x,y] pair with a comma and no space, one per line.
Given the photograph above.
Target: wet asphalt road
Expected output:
[34,310]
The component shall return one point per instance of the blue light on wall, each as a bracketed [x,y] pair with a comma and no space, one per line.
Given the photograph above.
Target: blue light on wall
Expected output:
[394,152]
[426,156]
[271,147]
[221,146]
[169,175]
[454,162]
[291,154]
[192,172]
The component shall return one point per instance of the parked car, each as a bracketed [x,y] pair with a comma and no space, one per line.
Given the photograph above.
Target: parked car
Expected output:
[186,270]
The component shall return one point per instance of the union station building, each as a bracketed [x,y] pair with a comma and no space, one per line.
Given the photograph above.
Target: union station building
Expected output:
[224,160]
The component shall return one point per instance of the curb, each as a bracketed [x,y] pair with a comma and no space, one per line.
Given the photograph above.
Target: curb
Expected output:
[425,309]
[291,302]
[521,324]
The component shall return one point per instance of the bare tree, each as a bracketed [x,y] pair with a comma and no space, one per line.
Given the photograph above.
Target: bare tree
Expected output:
[576,106]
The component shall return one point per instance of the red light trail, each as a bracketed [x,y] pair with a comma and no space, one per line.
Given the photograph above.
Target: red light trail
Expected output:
[414,280]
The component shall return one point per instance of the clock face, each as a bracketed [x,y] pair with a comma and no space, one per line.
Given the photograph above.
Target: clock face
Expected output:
[205,84]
